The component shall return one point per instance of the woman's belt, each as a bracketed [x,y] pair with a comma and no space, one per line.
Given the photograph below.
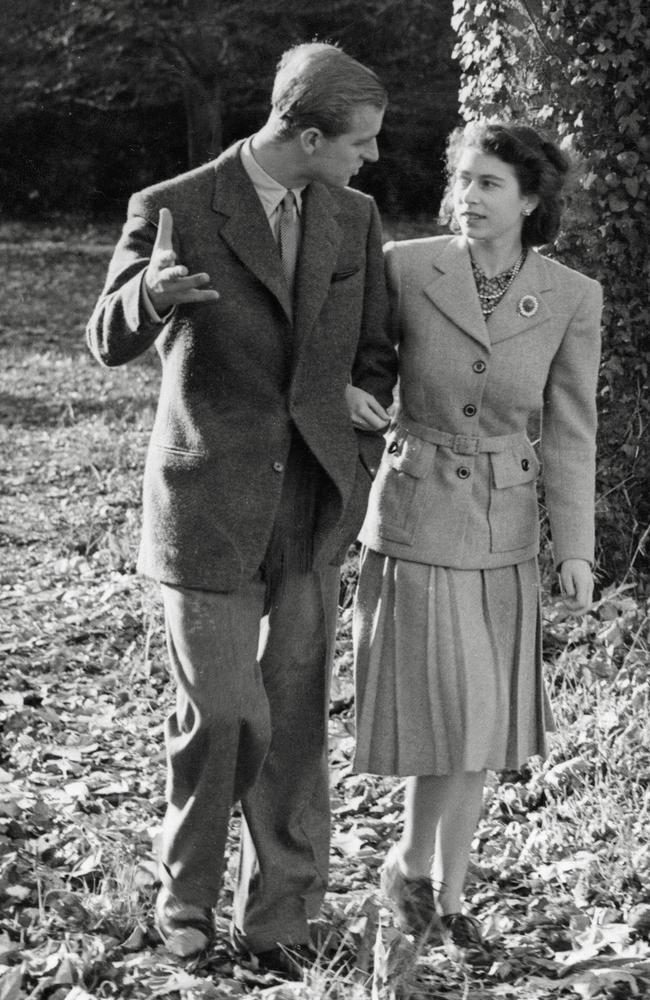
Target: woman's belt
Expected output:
[462,444]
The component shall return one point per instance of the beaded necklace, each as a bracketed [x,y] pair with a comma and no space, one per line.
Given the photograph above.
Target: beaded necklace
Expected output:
[491,290]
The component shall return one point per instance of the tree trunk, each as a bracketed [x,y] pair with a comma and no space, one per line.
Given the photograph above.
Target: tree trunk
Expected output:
[204,121]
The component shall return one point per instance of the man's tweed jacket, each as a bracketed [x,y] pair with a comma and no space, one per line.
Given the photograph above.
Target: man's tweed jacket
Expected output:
[239,373]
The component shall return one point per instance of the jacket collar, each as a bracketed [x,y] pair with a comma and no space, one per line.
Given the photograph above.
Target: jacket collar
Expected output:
[246,230]
[449,292]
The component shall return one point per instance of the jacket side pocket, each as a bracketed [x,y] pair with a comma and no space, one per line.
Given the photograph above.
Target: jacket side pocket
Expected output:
[513,513]
[400,489]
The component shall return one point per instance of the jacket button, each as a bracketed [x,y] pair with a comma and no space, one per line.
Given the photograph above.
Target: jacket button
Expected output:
[463,472]
[278,467]
[469,410]
[525,464]
[479,367]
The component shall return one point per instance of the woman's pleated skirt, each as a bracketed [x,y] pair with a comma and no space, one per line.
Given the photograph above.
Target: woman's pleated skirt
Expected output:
[448,668]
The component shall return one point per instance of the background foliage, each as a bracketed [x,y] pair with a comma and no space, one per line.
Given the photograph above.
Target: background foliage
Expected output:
[582,70]
[102,97]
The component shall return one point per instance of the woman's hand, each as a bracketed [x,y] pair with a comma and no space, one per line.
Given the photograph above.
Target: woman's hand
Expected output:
[577,583]
[365,412]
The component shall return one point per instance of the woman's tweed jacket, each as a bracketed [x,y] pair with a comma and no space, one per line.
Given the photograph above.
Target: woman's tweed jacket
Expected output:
[457,481]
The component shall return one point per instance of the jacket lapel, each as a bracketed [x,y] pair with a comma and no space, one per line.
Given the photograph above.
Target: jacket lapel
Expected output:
[452,291]
[245,227]
[449,292]
[321,238]
[513,316]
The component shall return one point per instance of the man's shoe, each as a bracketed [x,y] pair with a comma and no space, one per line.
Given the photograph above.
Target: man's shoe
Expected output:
[288,961]
[411,899]
[185,929]
[462,939]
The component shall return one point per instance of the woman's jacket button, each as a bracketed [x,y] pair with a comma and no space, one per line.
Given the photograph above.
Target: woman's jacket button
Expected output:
[463,472]
[479,367]
[469,410]
[525,464]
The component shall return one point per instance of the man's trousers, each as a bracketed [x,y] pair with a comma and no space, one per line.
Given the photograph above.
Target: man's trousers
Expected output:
[250,725]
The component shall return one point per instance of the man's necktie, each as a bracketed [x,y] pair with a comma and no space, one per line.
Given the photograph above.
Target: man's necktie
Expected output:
[289,236]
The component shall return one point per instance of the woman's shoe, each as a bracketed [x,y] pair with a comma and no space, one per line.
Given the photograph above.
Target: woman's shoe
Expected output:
[411,899]
[462,939]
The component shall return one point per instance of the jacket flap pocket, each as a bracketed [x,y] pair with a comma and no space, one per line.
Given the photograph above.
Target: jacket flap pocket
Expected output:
[514,468]
[408,454]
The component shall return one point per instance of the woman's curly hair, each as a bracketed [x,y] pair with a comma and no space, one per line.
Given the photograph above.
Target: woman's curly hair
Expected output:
[540,166]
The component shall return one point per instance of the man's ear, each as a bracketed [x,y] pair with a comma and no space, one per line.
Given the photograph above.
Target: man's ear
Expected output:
[311,140]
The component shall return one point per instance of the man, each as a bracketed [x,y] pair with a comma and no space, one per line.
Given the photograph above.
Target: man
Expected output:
[269,315]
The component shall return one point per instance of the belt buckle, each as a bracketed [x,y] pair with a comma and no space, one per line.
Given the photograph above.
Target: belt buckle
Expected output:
[465,444]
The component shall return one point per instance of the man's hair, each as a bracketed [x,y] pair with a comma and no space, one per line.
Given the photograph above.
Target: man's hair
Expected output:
[317,85]
[540,166]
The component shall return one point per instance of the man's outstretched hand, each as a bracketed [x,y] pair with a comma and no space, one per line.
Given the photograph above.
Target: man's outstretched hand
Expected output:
[167,282]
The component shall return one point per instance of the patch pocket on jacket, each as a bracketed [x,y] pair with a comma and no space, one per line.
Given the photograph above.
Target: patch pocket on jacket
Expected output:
[401,485]
[513,512]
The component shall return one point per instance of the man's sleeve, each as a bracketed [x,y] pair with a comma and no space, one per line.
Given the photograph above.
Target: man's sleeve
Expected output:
[375,364]
[121,327]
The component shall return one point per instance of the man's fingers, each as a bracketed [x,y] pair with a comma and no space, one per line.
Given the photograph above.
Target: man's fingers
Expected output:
[172,279]
[373,413]
[189,289]
[176,279]
[163,243]
[201,295]
[172,274]
[369,421]
[378,410]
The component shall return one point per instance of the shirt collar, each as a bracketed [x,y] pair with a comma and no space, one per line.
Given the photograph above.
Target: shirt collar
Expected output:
[269,191]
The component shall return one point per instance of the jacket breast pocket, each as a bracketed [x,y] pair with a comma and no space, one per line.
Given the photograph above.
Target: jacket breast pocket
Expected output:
[400,488]
[345,272]
[513,512]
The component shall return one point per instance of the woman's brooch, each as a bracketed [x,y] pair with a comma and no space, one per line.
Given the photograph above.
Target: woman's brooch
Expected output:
[527,306]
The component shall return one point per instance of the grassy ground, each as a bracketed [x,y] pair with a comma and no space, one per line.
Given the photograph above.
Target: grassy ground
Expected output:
[560,873]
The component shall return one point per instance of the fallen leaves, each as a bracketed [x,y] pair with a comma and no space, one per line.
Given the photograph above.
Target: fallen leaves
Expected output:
[561,863]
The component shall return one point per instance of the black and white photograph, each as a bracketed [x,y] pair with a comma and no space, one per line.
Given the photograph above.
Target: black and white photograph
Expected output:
[325,500]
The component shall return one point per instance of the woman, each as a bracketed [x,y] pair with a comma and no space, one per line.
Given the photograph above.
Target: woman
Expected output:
[447,620]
